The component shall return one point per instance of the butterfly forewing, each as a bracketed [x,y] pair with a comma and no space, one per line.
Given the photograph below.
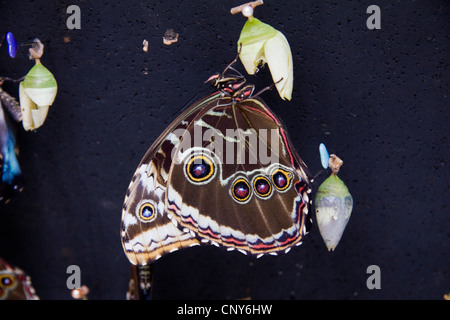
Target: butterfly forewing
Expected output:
[146,231]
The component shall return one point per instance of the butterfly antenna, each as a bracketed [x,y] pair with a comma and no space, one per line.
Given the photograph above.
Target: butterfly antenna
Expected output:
[237,72]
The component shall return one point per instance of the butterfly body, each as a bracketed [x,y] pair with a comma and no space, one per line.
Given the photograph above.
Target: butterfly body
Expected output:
[223,173]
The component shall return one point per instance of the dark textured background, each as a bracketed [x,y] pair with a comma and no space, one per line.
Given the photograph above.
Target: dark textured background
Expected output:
[377,98]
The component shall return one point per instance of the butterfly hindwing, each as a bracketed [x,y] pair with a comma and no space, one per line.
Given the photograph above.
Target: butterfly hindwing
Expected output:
[15,284]
[224,189]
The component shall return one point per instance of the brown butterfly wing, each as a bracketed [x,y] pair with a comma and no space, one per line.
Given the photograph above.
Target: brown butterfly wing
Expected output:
[223,188]
[15,284]
[146,231]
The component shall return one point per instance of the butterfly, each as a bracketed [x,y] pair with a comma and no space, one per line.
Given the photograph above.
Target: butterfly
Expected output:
[10,172]
[223,173]
[15,284]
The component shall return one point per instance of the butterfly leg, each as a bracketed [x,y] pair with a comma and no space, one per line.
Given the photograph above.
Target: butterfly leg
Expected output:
[233,62]
[318,174]
[266,88]
[2,79]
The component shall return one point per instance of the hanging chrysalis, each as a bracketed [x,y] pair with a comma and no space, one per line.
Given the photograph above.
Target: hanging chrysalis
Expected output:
[260,43]
[333,203]
[37,91]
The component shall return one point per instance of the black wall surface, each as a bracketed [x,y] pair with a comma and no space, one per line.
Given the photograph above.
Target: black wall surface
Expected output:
[377,98]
